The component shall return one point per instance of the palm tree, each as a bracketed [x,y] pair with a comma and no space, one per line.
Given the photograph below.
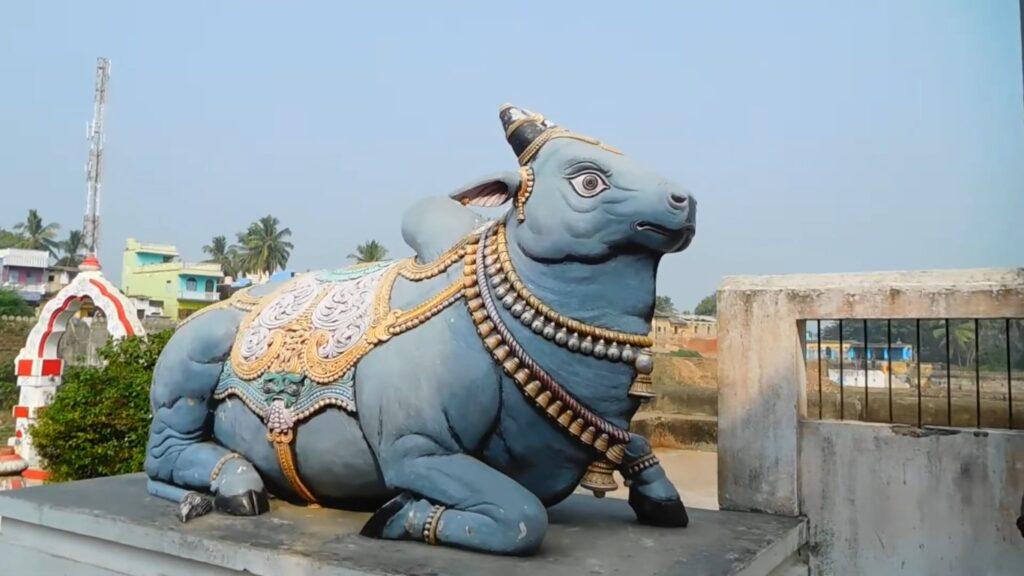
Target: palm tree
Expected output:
[264,247]
[35,234]
[222,253]
[71,249]
[371,251]
[961,343]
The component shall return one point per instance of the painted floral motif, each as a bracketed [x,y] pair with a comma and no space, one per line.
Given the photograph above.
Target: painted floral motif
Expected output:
[315,319]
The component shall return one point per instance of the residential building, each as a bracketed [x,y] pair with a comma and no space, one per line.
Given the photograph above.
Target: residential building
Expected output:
[155,272]
[25,272]
[693,332]
[57,277]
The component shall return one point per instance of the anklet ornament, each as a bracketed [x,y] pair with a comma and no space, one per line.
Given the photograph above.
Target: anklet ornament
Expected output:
[642,463]
[220,464]
[431,525]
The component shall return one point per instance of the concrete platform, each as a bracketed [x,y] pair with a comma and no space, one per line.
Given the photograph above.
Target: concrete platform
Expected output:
[111,526]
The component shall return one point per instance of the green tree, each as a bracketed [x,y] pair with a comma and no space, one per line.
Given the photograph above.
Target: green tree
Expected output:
[71,249]
[664,305]
[371,251]
[220,252]
[961,342]
[35,235]
[264,246]
[98,422]
[9,239]
[708,306]
[12,304]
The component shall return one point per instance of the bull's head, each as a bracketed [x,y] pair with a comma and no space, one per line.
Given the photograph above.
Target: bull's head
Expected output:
[577,199]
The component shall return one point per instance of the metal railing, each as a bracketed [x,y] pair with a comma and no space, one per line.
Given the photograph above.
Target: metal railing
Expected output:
[920,363]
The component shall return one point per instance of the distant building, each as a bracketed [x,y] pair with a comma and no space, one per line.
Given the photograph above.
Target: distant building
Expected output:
[57,277]
[25,272]
[155,274]
[685,331]
[854,350]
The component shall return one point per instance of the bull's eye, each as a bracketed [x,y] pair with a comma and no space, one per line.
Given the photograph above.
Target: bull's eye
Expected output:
[589,183]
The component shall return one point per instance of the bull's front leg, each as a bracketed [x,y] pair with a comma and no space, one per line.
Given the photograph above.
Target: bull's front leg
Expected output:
[455,500]
[651,495]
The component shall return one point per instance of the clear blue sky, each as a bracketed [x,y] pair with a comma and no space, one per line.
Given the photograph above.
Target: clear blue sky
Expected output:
[817,136]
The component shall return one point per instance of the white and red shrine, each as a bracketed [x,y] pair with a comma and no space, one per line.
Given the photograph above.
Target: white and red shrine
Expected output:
[39,367]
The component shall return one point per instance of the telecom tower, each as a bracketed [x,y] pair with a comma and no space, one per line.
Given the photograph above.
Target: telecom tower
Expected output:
[39,365]
[94,169]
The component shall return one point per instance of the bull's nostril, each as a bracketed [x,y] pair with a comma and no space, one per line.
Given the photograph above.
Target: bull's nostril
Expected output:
[677,200]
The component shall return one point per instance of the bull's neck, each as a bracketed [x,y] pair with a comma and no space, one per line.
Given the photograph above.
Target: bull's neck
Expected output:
[617,293]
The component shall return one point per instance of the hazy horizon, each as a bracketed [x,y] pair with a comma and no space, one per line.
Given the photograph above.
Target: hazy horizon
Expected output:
[817,138]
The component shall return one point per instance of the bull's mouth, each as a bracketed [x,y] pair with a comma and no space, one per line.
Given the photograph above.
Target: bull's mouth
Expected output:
[672,233]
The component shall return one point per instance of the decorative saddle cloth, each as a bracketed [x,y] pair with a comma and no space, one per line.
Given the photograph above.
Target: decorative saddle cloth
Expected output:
[316,326]
[297,348]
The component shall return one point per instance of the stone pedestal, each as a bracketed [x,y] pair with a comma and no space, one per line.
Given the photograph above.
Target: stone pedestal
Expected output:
[111,526]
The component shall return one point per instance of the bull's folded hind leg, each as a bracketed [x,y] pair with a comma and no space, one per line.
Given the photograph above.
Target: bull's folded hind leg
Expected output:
[180,453]
[457,500]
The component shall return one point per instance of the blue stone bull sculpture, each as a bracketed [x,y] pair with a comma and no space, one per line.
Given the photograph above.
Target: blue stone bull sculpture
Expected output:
[456,394]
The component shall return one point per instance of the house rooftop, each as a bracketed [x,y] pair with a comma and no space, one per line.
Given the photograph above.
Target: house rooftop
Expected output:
[23,257]
[163,249]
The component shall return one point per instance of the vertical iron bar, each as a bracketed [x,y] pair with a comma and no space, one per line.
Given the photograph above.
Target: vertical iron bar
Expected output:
[866,348]
[977,371]
[888,356]
[949,382]
[1009,376]
[819,370]
[842,396]
[916,342]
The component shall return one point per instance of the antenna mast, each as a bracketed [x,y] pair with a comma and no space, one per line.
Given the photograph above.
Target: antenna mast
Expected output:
[91,227]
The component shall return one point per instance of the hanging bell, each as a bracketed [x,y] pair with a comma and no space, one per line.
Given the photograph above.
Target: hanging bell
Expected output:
[599,479]
[642,388]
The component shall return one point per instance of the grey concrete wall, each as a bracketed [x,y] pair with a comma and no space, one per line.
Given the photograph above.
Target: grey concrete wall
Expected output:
[897,500]
[879,501]
[761,373]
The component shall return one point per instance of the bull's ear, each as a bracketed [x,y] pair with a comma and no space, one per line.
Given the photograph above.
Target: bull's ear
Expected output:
[489,192]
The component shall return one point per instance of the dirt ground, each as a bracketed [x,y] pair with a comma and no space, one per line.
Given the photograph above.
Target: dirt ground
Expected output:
[694,473]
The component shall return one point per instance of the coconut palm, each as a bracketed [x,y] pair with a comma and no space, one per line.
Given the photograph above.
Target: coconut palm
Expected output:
[961,343]
[71,249]
[371,251]
[35,235]
[264,247]
[224,254]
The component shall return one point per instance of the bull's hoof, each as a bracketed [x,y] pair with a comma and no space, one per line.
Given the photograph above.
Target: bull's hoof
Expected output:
[374,527]
[249,503]
[194,505]
[664,513]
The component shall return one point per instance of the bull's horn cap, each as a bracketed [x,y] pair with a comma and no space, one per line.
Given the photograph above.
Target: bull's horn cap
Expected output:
[522,127]
[528,131]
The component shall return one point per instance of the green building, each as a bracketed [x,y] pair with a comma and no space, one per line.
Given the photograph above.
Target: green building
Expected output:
[155,272]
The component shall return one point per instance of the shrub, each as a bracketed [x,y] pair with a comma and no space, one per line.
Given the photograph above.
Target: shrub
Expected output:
[99,420]
[684,353]
[8,395]
[12,304]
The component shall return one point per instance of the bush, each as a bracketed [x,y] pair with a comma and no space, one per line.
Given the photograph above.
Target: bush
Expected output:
[8,395]
[99,420]
[12,304]
[684,353]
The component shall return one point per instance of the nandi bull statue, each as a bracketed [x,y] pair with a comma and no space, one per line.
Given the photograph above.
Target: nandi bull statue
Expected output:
[457,394]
